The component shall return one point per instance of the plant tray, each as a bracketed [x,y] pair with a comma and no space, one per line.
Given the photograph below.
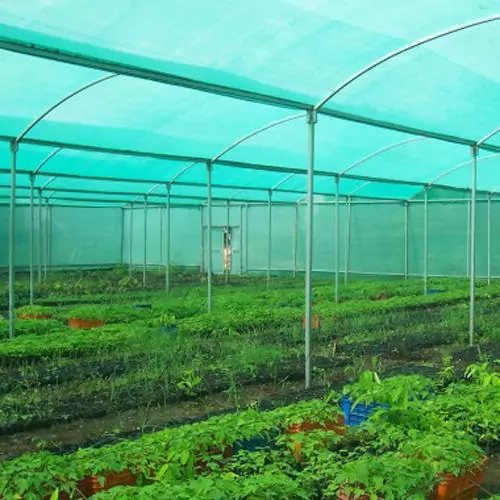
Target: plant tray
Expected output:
[464,487]
[358,414]
[84,324]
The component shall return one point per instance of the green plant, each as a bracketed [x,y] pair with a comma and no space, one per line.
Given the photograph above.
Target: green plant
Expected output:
[34,311]
[190,382]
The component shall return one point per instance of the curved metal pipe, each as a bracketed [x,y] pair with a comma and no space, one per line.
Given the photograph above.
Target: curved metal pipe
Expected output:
[256,132]
[402,50]
[487,137]
[46,159]
[66,98]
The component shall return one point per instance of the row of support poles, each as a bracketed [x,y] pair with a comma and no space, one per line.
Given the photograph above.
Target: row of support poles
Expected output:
[269,238]
[426,236]
[311,122]
[167,249]
[337,237]
[227,261]
[209,236]
[295,239]
[130,240]
[347,243]
[473,245]
[145,261]
[406,236]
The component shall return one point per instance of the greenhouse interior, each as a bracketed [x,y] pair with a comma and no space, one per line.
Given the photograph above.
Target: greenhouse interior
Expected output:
[249,249]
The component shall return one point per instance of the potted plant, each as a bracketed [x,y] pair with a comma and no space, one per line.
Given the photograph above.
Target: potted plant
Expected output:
[34,312]
[388,476]
[86,317]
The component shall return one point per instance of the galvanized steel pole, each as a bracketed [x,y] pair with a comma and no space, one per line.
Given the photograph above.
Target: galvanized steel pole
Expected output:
[407,208]
[468,240]
[168,246]
[145,261]
[12,235]
[269,240]
[489,238]
[32,238]
[209,235]
[160,259]
[122,238]
[337,238]
[202,242]
[246,237]
[228,247]
[311,122]
[473,245]
[347,243]
[130,241]
[47,229]
[40,235]
[426,237]
[295,239]
[241,239]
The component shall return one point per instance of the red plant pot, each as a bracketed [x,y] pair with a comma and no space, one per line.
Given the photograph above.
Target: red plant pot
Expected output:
[90,485]
[316,321]
[201,465]
[337,426]
[464,487]
[34,316]
[84,324]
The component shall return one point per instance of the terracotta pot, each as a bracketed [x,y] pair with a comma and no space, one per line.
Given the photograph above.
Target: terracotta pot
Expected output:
[90,485]
[316,321]
[84,324]
[337,426]
[35,316]
[202,466]
[464,487]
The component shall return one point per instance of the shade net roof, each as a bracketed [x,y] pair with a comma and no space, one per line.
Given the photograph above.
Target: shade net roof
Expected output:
[150,91]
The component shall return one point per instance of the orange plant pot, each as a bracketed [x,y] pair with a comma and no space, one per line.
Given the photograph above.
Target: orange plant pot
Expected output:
[316,321]
[202,466]
[337,426]
[90,485]
[84,324]
[464,487]
[34,316]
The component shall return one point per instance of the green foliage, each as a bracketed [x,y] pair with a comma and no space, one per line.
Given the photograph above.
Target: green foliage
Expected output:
[34,310]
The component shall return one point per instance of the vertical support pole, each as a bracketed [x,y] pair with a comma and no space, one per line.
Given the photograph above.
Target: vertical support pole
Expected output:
[47,229]
[311,122]
[347,243]
[407,261]
[473,245]
[241,239]
[50,232]
[160,259]
[269,238]
[32,238]
[246,237]
[40,237]
[295,239]
[145,261]
[14,146]
[489,238]
[168,246]
[227,226]
[337,237]
[202,241]
[130,239]
[468,239]
[122,239]
[209,230]
[426,236]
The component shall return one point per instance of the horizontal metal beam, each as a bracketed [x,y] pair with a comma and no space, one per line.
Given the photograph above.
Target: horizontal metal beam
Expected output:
[46,51]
